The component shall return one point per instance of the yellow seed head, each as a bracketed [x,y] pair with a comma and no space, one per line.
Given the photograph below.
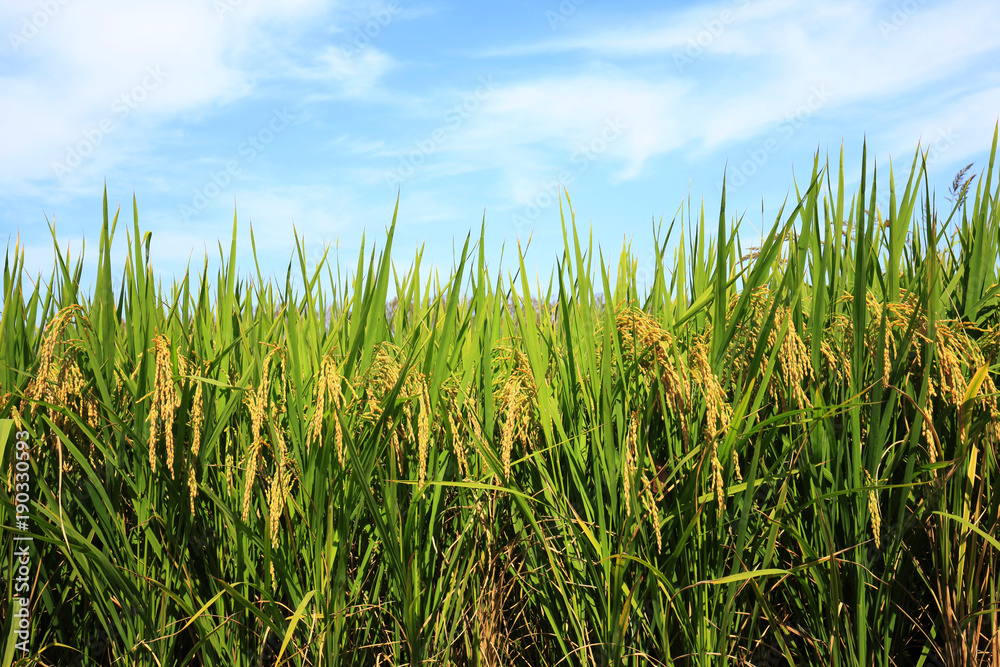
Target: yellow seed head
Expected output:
[718,411]
[18,420]
[39,389]
[423,430]
[166,400]
[192,487]
[229,469]
[654,515]
[510,399]
[516,400]
[315,428]
[718,484]
[251,475]
[795,363]
[197,418]
[477,431]
[456,440]
[873,509]
[629,461]
[276,496]
[281,452]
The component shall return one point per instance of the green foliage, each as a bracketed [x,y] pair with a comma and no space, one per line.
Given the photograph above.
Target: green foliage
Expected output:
[785,453]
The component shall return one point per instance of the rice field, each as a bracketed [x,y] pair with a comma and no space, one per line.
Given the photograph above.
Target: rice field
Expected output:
[784,454]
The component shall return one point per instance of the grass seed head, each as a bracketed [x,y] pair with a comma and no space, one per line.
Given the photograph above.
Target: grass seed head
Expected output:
[257,402]
[192,487]
[795,363]
[229,469]
[654,514]
[166,400]
[719,411]
[328,383]
[629,460]
[276,498]
[197,418]
[873,510]
[250,477]
[718,484]
[423,428]
[316,425]
[516,399]
[456,440]
[39,388]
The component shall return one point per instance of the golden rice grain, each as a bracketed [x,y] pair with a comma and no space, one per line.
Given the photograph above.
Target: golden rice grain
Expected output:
[374,386]
[59,379]
[333,386]
[39,388]
[794,364]
[192,487]
[456,440]
[18,419]
[654,514]
[316,425]
[719,411]
[873,509]
[876,312]
[423,429]
[251,475]
[258,403]
[718,483]
[507,433]
[197,418]
[517,400]
[328,382]
[629,460]
[229,468]
[276,499]
[166,400]
[794,359]
[477,430]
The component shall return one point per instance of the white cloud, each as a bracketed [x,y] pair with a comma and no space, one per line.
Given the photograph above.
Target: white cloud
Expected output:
[709,80]
[91,64]
[706,77]
[356,73]
[599,116]
[85,74]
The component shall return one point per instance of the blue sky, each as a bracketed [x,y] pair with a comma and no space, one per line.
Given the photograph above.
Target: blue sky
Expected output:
[315,114]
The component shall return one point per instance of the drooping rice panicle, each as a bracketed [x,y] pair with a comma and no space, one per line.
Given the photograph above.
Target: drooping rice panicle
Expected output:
[391,468]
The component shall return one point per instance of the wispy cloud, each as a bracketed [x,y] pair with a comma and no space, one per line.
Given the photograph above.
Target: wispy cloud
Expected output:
[718,73]
[159,97]
[72,75]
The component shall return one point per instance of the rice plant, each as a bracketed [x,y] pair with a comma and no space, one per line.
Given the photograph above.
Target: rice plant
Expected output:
[784,454]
